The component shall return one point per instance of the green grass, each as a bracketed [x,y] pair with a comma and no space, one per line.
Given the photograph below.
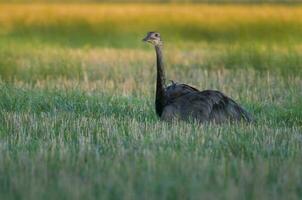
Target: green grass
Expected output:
[77,117]
[75,144]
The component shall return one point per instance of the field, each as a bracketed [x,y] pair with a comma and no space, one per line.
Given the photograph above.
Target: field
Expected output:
[77,117]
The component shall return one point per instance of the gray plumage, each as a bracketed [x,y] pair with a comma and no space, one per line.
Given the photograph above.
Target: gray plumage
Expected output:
[184,102]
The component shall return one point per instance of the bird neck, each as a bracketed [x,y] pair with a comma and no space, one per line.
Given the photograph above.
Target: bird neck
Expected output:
[160,82]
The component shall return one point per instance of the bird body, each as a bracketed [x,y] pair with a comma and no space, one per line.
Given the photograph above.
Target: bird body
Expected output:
[184,102]
[203,106]
[176,90]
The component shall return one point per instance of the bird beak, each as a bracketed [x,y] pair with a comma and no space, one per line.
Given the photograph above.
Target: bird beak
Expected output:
[145,39]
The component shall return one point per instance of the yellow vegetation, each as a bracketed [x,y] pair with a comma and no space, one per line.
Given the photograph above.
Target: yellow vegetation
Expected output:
[145,14]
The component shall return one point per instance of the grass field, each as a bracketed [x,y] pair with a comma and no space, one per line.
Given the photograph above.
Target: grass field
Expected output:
[77,117]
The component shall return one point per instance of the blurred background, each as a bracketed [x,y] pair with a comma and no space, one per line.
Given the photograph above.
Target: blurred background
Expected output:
[82,39]
[151,1]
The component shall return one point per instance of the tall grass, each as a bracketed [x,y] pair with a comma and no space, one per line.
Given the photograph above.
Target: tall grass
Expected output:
[136,66]
[71,142]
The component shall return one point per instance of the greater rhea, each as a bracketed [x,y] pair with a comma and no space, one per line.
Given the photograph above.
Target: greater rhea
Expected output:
[184,102]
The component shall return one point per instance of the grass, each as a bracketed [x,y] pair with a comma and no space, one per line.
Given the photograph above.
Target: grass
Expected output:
[77,115]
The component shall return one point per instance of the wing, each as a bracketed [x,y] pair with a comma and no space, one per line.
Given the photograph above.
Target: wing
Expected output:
[208,105]
[176,90]
[224,108]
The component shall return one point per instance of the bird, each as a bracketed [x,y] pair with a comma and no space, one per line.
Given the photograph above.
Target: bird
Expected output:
[179,101]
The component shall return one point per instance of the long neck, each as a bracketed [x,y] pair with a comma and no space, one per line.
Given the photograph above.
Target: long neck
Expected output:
[160,82]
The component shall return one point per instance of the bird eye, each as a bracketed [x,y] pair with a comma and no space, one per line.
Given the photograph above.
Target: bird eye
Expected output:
[156,34]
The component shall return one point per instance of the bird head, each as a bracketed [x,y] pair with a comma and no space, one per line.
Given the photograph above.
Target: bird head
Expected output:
[153,38]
